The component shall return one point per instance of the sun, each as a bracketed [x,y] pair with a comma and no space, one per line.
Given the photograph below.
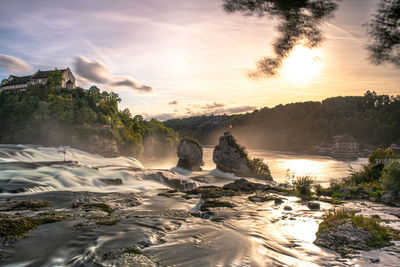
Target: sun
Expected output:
[302,65]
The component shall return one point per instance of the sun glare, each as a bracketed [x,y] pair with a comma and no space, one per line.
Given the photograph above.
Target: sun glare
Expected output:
[302,65]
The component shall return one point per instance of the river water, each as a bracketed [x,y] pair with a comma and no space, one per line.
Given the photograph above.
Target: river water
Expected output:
[283,163]
[161,225]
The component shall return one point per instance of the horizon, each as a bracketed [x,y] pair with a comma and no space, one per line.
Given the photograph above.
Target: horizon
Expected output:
[166,59]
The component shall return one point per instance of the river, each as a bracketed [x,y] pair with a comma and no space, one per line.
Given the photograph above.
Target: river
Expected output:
[147,216]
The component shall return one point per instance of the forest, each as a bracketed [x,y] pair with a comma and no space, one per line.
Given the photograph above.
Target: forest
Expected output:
[46,114]
[372,119]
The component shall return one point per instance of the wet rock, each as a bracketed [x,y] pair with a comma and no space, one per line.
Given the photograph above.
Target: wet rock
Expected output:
[313,205]
[129,256]
[190,154]
[288,208]
[202,214]
[278,201]
[375,261]
[26,204]
[389,199]
[17,226]
[344,239]
[216,204]
[231,157]
[212,192]
[243,185]
[88,206]
[117,181]
[261,198]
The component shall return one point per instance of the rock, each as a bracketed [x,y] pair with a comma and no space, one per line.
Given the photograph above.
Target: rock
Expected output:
[104,146]
[26,204]
[117,181]
[212,192]
[388,198]
[261,198]
[287,208]
[190,154]
[231,157]
[243,185]
[278,201]
[344,239]
[375,260]
[313,205]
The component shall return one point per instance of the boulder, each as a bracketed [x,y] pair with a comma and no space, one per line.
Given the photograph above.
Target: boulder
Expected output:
[190,154]
[231,157]
[243,185]
[344,239]
[313,205]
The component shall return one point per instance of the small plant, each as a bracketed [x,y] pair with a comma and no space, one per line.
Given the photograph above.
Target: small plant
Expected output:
[303,184]
[259,168]
[390,178]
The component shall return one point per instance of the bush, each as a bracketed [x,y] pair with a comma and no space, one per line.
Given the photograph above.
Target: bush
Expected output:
[259,168]
[303,184]
[390,178]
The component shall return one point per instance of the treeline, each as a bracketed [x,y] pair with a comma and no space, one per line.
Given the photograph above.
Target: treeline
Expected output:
[46,114]
[372,119]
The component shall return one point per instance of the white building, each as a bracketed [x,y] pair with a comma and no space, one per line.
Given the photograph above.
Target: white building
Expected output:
[22,82]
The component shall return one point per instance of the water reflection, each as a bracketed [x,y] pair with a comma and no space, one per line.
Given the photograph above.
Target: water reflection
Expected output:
[282,164]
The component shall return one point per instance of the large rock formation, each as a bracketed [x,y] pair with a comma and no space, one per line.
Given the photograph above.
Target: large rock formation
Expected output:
[190,154]
[231,157]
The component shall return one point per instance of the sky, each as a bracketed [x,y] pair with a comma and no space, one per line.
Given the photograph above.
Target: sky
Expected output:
[177,58]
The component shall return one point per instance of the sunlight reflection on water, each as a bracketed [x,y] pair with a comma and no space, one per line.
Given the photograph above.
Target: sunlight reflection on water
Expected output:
[282,164]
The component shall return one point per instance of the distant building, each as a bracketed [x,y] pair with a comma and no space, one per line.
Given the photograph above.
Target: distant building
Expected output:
[344,146]
[22,82]
[395,148]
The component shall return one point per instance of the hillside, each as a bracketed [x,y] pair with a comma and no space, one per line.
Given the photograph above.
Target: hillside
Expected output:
[46,114]
[372,119]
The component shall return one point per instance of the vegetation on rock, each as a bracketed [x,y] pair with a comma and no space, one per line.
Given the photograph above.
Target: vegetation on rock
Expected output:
[336,228]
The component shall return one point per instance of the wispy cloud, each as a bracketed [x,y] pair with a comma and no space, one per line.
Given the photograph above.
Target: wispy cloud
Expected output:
[97,72]
[14,64]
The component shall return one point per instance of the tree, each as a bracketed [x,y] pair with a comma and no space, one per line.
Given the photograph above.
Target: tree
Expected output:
[382,156]
[300,21]
[384,30]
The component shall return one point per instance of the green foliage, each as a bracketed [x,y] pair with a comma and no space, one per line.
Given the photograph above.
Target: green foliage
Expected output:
[46,114]
[382,156]
[371,119]
[259,168]
[384,31]
[381,235]
[303,184]
[390,178]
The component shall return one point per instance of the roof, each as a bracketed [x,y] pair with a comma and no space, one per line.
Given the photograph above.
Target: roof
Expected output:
[43,74]
[17,80]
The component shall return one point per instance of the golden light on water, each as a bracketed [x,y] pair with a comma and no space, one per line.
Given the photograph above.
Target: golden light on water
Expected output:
[302,65]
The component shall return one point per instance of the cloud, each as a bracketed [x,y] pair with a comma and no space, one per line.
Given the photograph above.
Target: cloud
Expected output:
[96,71]
[14,64]
[213,105]
[175,102]
[129,82]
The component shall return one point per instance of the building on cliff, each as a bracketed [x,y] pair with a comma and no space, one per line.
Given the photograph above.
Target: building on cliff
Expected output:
[20,83]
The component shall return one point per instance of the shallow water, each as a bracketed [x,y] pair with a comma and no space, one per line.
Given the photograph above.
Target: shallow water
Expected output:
[250,234]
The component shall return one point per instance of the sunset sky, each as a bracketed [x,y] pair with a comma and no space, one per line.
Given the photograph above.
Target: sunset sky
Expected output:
[172,58]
